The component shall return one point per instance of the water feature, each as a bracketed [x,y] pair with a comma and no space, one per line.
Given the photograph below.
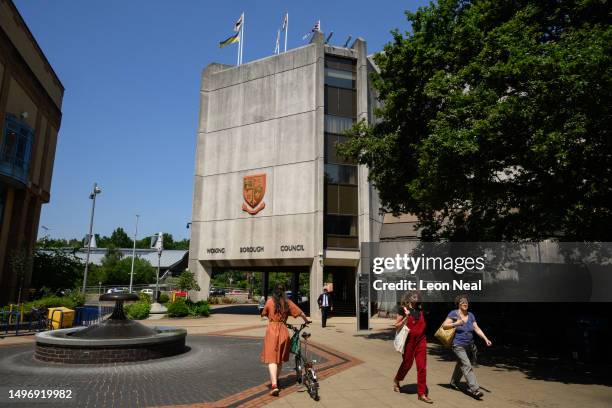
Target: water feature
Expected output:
[116,339]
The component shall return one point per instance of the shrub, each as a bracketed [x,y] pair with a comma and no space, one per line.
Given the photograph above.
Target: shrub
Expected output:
[138,311]
[56,301]
[200,308]
[164,298]
[221,300]
[178,309]
[77,297]
[143,297]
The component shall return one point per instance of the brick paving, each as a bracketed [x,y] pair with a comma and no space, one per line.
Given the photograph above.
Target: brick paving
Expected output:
[218,370]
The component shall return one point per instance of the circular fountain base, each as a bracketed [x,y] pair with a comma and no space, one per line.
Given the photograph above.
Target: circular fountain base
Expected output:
[65,346]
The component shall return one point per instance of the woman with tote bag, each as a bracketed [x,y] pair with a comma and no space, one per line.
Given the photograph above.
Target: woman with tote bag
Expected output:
[411,316]
[464,323]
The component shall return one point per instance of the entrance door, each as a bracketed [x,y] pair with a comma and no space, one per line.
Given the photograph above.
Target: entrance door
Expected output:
[343,295]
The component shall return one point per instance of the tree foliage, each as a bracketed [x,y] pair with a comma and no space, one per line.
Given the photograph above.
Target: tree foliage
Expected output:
[56,270]
[187,281]
[495,121]
[118,239]
[116,269]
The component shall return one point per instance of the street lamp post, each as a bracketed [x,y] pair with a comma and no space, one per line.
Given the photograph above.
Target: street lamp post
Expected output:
[157,243]
[134,253]
[96,190]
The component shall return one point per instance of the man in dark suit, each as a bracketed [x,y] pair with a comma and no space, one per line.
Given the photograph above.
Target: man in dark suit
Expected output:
[325,304]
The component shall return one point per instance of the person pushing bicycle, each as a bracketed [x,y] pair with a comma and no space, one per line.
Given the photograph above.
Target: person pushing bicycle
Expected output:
[276,345]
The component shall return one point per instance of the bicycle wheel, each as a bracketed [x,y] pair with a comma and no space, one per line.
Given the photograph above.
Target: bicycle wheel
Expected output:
[311,384]
[298,369]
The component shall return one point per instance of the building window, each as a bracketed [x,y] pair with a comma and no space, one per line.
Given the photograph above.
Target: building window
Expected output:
[339,78]
[340,102]
[331,149]
[341,175]
[16,148]
[341,231]
[337,124]
[343,64]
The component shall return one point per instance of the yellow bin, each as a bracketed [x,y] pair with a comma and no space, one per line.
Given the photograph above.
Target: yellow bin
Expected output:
[61,317]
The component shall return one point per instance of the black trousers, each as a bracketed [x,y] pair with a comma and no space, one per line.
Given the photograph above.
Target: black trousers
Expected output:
[324,314]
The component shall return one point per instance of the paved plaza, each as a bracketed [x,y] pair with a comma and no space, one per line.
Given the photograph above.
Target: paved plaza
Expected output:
[222,369]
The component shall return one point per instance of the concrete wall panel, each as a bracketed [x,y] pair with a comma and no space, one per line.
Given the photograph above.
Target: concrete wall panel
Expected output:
[295,141]
[294,186]
[270,237]
[295,90]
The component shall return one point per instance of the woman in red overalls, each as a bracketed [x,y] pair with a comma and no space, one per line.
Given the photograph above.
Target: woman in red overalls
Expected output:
[411,314]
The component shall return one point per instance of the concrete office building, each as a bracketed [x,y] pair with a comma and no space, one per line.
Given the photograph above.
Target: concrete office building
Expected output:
[270,192]
[30,109]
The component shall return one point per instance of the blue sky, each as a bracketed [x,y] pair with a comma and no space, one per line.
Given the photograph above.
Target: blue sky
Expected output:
[131,70]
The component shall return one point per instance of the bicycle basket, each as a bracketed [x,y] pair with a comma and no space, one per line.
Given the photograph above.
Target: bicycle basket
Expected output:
[295,343]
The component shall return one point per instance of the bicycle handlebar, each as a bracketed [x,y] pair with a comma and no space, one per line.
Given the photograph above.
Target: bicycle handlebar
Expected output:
[294,328]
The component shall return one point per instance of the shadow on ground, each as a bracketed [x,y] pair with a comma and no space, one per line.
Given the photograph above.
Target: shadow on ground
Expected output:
[385,334]
[536,365]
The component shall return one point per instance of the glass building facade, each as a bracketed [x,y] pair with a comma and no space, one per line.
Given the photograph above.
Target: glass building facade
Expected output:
[341,191]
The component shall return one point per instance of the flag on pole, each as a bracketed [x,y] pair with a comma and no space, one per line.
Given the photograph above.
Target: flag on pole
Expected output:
[277,46]
[233,39]
[285,20]
[317,27]
[238,24]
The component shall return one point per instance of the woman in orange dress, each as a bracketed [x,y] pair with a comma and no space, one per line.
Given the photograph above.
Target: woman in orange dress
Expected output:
[276,345]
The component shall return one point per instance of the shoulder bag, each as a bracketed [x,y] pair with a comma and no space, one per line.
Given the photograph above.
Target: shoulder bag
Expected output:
[445,336]
[400,336]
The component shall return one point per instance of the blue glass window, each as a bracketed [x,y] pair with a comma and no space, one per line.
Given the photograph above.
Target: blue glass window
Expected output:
[16,148]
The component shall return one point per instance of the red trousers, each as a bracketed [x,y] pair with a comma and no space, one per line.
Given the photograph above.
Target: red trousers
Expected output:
[415,351]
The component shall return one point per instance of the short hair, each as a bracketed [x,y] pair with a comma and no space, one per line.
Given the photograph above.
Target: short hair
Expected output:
[461,297]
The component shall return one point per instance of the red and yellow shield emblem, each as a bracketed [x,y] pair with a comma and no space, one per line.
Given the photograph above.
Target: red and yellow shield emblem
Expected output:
[253,190]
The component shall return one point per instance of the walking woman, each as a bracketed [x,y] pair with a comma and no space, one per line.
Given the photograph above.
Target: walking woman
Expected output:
[465,325]
[276,345]
[411,314]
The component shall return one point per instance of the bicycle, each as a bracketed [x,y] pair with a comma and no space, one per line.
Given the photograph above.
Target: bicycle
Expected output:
[304,368]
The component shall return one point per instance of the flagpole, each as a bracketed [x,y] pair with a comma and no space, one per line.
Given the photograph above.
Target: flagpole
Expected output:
[286,29]
[242,37]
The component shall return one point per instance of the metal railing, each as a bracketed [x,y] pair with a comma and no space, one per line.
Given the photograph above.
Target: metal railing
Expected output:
[16,322]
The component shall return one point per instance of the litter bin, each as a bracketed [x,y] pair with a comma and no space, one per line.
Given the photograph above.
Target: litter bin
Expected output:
[61,317]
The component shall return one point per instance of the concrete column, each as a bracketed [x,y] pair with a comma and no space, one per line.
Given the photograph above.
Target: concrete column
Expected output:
[316,287]
[202,274]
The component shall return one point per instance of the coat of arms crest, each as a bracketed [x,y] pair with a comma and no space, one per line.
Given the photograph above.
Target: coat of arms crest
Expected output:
[253,190]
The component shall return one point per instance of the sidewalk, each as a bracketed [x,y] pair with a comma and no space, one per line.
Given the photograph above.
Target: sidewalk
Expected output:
[368,382]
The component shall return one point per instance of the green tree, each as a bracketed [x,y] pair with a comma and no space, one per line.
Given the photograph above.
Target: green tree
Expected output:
[20,262]
[116,269]
[187,281]
[55,269]
[495,122]
[120,239]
